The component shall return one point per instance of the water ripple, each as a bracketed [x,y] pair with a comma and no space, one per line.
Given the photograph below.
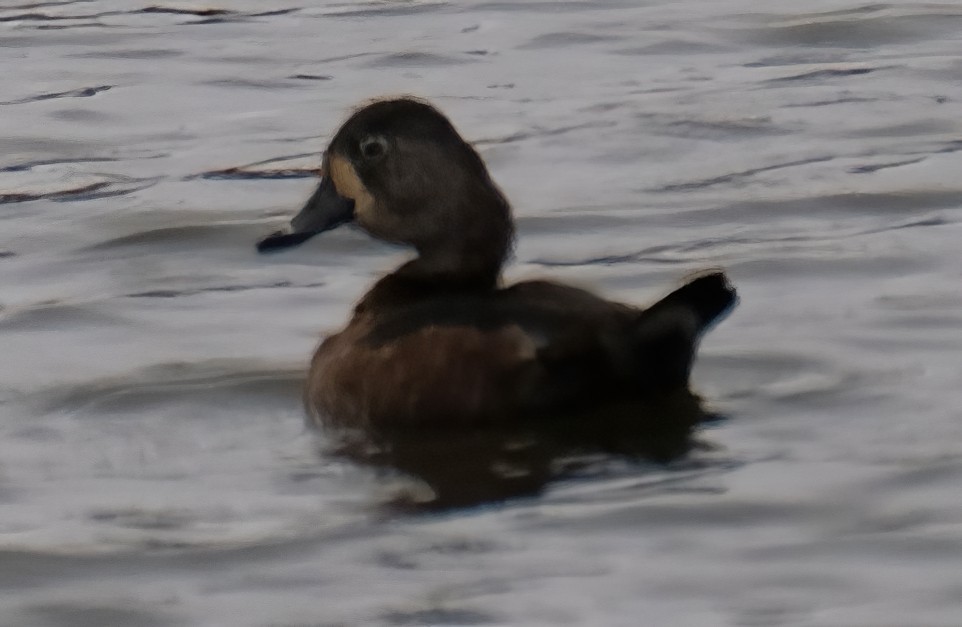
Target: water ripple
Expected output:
[91,191]
[82,92]
[820,74]
[737,177]
[230,382]
[176,293]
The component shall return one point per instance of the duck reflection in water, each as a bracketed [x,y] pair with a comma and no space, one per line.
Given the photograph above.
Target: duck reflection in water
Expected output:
[483,391]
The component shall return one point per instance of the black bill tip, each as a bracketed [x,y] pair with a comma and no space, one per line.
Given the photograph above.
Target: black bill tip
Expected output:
[281,240]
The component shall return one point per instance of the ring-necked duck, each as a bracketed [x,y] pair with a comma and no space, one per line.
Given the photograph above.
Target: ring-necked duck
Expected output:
[439,342]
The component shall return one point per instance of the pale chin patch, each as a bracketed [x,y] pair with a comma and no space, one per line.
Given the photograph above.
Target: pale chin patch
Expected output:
[349,185]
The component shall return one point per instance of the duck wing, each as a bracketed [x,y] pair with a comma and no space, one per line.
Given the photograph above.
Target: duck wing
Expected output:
[587,346]
[591,348]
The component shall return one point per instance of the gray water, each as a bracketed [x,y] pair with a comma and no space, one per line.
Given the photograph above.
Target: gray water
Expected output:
[154,464]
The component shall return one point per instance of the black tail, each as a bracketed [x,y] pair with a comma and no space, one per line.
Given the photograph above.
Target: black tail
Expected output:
[707,298]
[667,333]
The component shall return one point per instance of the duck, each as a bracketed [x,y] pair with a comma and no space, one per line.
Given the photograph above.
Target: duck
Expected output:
[441,343]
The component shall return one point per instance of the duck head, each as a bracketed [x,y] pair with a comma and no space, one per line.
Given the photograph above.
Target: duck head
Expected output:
[400,170]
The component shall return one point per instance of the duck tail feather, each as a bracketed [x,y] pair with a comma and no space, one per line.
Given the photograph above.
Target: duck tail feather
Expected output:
[708,298]
[667,333]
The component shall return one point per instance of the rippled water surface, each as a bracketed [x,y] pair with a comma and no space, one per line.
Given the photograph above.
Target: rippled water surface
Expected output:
[154,464]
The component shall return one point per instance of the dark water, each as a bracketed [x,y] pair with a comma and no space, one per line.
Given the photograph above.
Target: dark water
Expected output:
[154,466]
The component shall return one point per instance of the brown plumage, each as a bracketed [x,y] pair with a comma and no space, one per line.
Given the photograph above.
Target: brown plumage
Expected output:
[439,344]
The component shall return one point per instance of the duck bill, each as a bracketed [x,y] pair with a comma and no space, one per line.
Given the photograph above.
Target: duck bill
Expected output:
[325,210]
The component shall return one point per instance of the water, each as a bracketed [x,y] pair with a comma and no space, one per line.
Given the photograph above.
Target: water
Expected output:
[154,465]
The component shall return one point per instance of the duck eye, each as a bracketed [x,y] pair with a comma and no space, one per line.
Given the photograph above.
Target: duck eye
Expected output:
[373,147]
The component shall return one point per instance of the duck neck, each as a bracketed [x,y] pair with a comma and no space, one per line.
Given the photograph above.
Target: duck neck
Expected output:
[460,250]
[462,267]
[455,271]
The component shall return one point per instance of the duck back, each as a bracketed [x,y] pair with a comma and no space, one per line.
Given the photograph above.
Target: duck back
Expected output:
[530,351]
